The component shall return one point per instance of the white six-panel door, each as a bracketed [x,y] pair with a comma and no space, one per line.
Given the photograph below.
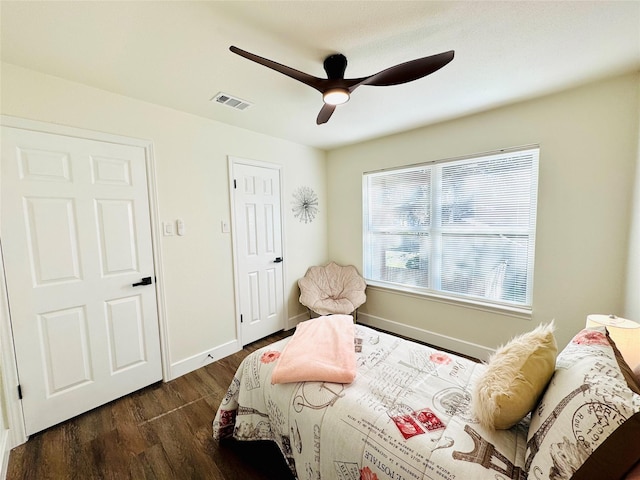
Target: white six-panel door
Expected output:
[258,250]
[76,236]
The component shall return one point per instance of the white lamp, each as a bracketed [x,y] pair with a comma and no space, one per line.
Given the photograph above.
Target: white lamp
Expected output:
[626,334]
[336,96]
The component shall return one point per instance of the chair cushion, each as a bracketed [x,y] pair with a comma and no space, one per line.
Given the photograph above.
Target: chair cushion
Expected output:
[332,289]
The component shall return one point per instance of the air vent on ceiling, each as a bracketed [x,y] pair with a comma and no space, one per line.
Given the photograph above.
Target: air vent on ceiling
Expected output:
[231,101]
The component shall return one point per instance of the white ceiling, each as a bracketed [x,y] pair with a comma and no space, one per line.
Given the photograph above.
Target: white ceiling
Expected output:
[177,54]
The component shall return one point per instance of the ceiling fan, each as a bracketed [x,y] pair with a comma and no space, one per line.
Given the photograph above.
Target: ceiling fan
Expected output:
[336,89]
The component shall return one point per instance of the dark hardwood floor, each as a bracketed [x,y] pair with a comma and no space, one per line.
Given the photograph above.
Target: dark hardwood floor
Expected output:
[160,432]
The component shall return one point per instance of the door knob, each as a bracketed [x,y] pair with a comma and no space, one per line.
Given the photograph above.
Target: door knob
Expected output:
[278,260]
[145,281]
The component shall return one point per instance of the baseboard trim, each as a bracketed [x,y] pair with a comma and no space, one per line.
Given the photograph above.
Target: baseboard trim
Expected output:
[443,341]
[199,360]
[4,453]
[292,322]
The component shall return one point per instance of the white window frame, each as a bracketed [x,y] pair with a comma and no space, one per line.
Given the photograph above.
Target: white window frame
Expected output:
[436,230]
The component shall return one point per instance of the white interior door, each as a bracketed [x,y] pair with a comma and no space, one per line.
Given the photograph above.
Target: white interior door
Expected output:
[76,236]
[258,233]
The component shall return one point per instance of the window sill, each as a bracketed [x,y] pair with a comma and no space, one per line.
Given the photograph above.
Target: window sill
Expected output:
[508,310]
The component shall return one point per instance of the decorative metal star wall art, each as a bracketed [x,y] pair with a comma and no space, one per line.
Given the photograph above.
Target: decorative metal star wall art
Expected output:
[305,204]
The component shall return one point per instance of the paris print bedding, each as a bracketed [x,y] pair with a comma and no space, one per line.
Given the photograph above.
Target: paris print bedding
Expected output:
[405,416]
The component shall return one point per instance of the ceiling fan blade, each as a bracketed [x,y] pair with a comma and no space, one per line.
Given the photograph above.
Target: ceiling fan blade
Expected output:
[315,82]
[408,71]
[325,113]
[335,66]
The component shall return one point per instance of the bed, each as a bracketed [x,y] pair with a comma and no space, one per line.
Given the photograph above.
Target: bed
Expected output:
[409,413]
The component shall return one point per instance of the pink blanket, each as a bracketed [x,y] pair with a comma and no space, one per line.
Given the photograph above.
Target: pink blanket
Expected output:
[320,350]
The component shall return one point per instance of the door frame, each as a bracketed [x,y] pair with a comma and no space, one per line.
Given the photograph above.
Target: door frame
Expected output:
[8,364]
[232,160]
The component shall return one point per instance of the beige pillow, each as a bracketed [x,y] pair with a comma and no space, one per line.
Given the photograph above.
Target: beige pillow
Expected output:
[516,376]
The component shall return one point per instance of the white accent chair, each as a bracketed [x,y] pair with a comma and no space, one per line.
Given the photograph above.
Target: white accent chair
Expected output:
[332,289]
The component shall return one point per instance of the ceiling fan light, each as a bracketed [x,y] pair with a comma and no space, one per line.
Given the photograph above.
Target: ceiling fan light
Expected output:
[335,96]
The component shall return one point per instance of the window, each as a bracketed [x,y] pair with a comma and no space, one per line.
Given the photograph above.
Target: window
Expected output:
[462,228]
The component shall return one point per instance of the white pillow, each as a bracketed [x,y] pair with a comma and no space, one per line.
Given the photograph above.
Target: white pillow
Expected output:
[587,424]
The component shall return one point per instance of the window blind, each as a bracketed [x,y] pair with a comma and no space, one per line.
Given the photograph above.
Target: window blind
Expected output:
[463,227]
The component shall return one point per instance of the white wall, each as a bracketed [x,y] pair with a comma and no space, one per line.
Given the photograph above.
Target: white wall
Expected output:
[632,300]
[588,153]
[192,179]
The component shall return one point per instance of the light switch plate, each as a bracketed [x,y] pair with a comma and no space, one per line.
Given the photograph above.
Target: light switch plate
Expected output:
[167,229]
[225,226]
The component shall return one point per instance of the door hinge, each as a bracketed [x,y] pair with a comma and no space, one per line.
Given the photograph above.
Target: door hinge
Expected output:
[19,392]
[241,320]
[235,185]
